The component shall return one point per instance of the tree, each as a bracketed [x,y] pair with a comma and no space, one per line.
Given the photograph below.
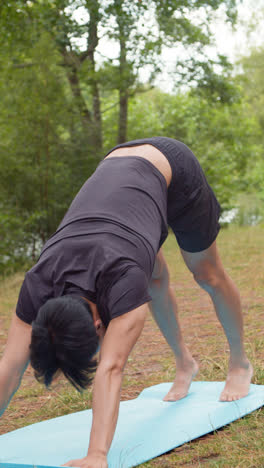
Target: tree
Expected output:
[139,31]
[63,101]
[222,136]
[43,157]
[251,82]
[141,39]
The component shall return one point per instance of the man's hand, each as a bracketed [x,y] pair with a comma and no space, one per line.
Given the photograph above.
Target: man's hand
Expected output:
[91,461]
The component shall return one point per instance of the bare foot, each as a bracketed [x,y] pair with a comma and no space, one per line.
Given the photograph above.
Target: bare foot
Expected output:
[237,382]
[182,381]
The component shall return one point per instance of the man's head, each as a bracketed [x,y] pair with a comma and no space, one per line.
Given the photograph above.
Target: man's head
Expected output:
[64,338]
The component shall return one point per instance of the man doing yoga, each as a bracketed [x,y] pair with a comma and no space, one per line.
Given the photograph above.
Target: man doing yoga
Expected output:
[103,268]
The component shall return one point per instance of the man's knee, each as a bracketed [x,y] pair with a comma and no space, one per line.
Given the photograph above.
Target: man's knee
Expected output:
[209,278]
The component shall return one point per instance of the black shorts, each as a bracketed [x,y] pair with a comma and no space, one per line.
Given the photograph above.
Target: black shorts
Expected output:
[193,210]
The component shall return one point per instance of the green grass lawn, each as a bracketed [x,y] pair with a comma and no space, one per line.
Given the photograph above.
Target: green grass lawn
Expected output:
[241,444]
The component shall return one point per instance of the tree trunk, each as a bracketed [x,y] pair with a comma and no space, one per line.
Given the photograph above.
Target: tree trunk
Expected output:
[92,44]
[46,176]
[123,94]
[76,91]
[91,119]
[123,109]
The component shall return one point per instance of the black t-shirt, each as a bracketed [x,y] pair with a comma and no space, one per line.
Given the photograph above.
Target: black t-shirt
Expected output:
[106,244]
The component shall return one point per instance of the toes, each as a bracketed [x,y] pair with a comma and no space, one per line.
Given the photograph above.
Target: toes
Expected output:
[229,397]
[174,396]
[225,397]
[238,397]
[169,398]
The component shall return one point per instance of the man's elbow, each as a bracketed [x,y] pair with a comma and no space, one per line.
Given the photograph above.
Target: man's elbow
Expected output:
[113,368]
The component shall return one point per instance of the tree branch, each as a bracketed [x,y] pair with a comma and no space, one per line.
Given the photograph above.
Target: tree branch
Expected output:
[131,94]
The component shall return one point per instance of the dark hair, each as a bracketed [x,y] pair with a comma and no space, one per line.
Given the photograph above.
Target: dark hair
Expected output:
[64,337]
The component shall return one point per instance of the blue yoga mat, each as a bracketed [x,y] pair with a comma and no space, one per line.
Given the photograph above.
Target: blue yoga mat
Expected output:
[147,427]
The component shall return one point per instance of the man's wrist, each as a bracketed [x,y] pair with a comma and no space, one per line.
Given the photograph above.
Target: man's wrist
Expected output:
[96,452]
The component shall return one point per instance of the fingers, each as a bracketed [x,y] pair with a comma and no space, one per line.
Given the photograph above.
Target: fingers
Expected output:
[72,463]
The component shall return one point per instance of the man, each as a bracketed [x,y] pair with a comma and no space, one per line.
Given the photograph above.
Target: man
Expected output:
[97,275]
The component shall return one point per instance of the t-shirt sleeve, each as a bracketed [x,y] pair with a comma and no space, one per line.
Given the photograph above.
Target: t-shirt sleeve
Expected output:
[25,307]
[33,294]
[128,292]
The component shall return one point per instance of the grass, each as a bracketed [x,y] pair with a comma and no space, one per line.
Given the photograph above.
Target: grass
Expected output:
[239,445]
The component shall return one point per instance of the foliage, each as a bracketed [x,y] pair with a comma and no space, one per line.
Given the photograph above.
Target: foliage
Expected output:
[43,152]
[222,136]
[64,102]
[249,209]
[138,31]
[252,85]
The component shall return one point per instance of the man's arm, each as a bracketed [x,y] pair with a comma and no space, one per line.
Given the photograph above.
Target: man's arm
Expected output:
[14,361]
[122,334]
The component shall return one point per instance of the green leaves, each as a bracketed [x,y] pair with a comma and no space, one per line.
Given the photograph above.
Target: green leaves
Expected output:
[70,86]
[222,135]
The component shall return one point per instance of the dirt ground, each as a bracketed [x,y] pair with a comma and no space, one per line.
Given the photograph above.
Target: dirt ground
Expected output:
[151,361]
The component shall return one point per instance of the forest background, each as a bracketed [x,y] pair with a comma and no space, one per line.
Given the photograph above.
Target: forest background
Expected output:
[64,102]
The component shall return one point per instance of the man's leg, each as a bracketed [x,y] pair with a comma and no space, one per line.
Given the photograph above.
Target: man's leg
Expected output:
[209,273]
[164,311]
